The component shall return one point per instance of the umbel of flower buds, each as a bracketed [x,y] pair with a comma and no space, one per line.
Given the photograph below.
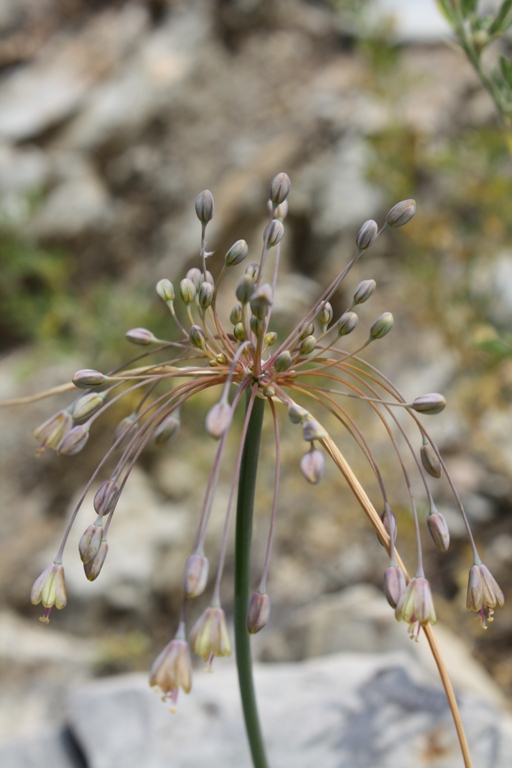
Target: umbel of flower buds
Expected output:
[204,206]
[279,188]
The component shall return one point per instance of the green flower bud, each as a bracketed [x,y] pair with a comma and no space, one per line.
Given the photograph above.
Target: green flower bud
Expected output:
[367,234]
[196,276]
[258,613]
[127,428]
[239,332]
[429,404]
[236,314]
[325,313]
[283,361]
[274,233]
[197,337]
[165,290]
[52,431]
[261,301]
[209,635]
[280,188]
[257,325]
[50,590]
[308,345]
[382,326]
[253,270]
[236,254]
[187,290]
[221,358]
[88,377]
[205,295]
[204,206]
[167,432]
[401,213]
[140,336]
[245,289]
[281,212]
[347,323]
[88,404]
[90,542]
[307,330]
[364,291]
[270,338]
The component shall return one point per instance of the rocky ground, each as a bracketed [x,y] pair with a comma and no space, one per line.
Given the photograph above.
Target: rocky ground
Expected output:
[113,115]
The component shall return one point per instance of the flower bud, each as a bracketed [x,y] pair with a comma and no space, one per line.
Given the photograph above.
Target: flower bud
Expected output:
[236,254]
[239,332]
[281,212]
[205,295]
[274,233]
[382,326]
[74,441]
[257,325]
[50,590]
[167,432]
[296,414]
[195,276]
[106,497]
[389,521]
[325,313]
[394,585]
[253,270]
[311,430]
[308,345]
[261,301]
[88,377]
[140,336]
[347,323]
[430,460]
[127,428]
[197,337]
[209,635]
[165,290]
[312,466]
[439,530]
[196,575]
[218,419]
[280,188]
[93,569]
[364,291]
[236,314]
[270,338]
[204,206]
[258,613]
[416,606]
[429,404]
[401,213]
[367,234]
[283,361]
[221,358]
[187,290]
[86,405]
[89,544]
[52,431]
[307,330]
[245,289]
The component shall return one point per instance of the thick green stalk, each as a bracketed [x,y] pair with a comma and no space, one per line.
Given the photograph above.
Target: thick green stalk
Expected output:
[244,514]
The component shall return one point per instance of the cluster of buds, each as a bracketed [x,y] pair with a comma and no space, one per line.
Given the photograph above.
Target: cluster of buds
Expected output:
[241,359]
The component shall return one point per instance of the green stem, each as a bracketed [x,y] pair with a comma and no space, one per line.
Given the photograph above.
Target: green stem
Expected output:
[244,514]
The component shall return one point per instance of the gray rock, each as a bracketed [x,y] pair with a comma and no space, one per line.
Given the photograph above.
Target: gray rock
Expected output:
[40,750]
[417,22]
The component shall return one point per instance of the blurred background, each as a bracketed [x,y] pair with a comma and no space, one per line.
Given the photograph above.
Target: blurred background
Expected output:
[113,116]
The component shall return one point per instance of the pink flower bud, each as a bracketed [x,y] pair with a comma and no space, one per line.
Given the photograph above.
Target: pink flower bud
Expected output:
[93,569]
[430,460]
[258,613]
[74,441]
[312,466]
[439,531]
[196,575]
[90,542]
[394,585]
[106,497]
[218,419]
[140,336]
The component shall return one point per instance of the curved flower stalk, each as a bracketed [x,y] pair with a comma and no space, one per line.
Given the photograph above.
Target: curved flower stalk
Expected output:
[314,369]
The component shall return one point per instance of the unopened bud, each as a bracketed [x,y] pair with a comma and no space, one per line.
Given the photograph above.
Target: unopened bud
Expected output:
[401,213]
[389,521]
[367,234]
[187,290]
[93,569]
[429,404]
[253,270]
[218,419]
[89,544]
[258,613]
[281,212]
[439,531]
[106,497]
[270,338]
[125,431]
[196,575]
[86,405]
[74,441]
[269,391]
[236,314]
[204,206]
[274,233]
[297,414]
[279,188]
[308,345]
[221,358]
[88,377]
[430,460]
[205,295]
[261,301]
[325,314]
[140,336]
[347,323]
[245,289]
[311,430]
[52,431]
[257,325]
[196,276]
[239,332]
[364,291]
[283,361]
[197,337]
[167,432]
[165,290]
[236,254]
[394,585]
[307,330]
[382,326]
[312,466]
